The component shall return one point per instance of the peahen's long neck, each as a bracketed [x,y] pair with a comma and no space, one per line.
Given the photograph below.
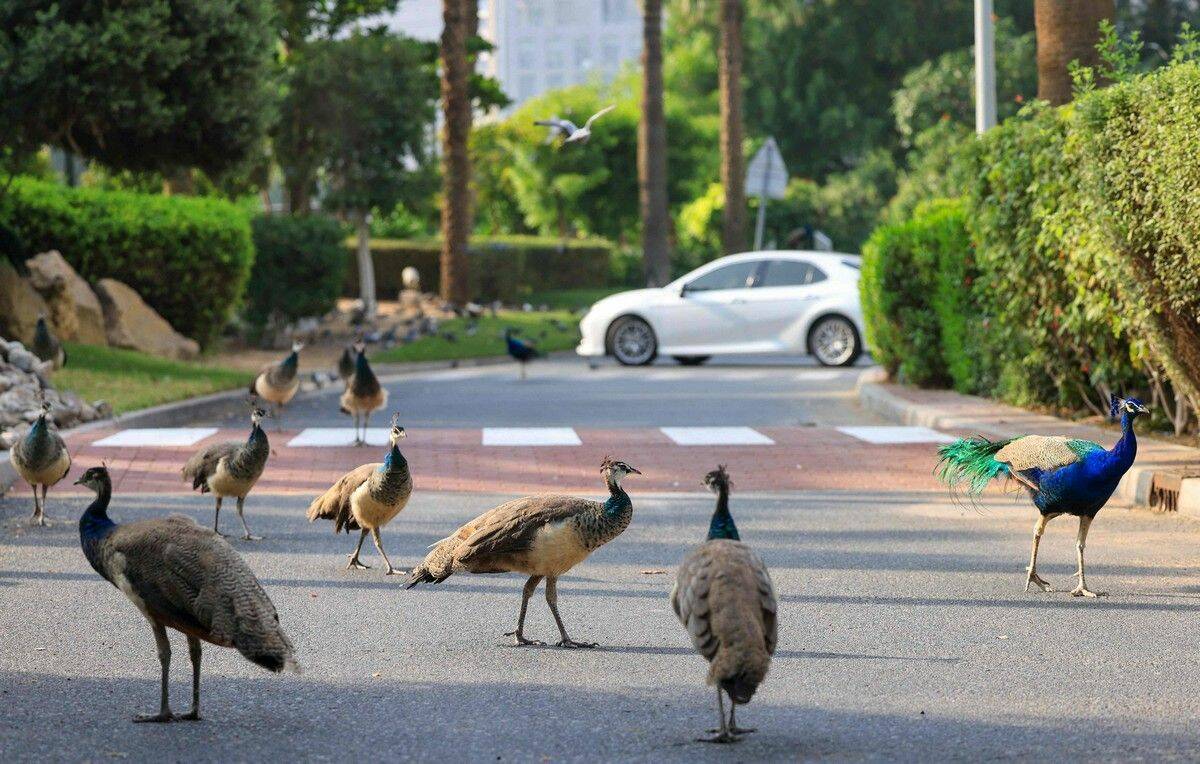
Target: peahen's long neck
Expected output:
[722,525]
[40,447]
[251,458]
[95,525]
[364,382]
[389,481]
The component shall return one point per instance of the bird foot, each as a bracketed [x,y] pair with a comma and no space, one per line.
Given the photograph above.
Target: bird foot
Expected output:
[160,718]
[723,737]
[251,537]
[357,564]
[39,521]
[395,571]
[1083,591]
[521,641]
[1042,583]
[572,643]
[735,730]
[190,716]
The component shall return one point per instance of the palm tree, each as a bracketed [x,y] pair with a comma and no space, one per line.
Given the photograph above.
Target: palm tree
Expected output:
[457,16]
[1067,30]
[733,171]
[652,150]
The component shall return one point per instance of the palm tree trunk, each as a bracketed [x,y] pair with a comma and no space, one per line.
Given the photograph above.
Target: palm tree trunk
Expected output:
[366,266]
[733,172]
[652,151]
[456,174]
[1067,30]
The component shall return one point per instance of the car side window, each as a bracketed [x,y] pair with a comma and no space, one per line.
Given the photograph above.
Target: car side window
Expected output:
[732,276]
[790,273]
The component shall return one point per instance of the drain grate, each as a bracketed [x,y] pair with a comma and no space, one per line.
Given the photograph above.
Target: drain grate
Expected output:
[1164,491]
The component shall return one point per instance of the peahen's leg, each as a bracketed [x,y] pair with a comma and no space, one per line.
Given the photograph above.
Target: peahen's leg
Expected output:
[354,561]
[723,734]
[379,548]
[42,506]
[526,593]
[194,652]
[552,601]
[1033,577]
[357,442]
[1080,541]
[246,535]
[366,419]
[217,517]
[733,722]
[37,518]
[164,658]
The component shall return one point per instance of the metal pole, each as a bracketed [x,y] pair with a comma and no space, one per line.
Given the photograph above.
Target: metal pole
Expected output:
[761,221]
[985,67]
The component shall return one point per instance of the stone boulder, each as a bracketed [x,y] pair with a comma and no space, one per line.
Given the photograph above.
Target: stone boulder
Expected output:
[20,304]
[75,310]
[131,323]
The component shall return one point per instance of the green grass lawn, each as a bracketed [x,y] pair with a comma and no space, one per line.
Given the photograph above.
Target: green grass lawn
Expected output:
[488,339]
[130,380]
[572,299]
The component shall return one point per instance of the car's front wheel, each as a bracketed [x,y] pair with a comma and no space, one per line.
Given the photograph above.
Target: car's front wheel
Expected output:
[834,341]
[632,342]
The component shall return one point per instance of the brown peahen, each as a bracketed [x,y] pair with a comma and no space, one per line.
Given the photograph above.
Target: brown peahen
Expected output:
[185,577]
[231,469]
[538,536]
[724,597]
[363,394]
[277,383]
[41,459]
[368,498]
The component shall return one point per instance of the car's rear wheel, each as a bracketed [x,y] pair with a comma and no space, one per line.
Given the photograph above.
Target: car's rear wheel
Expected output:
[834,341]
[632,342]
[691,360]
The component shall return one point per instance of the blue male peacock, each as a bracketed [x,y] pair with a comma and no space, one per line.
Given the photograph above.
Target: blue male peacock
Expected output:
[1064,476]
[521,351]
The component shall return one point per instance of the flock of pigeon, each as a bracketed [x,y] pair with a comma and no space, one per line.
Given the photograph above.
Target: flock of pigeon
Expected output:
[188,578]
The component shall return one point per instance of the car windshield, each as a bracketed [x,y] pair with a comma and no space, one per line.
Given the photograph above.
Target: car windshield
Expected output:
[790,273]
[732,276]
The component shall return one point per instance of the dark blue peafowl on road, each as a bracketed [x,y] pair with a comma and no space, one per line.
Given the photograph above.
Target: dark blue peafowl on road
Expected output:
[1064,476]
[520,350]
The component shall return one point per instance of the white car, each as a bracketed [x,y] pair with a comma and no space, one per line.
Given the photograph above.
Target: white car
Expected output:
[784,302]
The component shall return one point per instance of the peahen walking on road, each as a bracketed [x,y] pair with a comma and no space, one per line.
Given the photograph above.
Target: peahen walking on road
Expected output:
[185,577]
[363,394]
[277,383]
[521,351]
[368,498]
[42,459]
[538,536]
[724,598]
[231,469]
[1064,476]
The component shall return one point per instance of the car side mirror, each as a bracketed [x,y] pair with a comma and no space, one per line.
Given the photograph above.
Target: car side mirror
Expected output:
[683,290]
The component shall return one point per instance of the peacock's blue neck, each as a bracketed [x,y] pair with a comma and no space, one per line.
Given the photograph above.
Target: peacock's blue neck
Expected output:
[1125,449]
[722,526]
[394,461]
[618,501]
[292,361]
[95,525]
[257,435]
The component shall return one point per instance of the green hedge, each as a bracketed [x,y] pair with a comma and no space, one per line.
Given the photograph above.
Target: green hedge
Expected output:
[189,258]
[898,286]
[502,267]
[298,269]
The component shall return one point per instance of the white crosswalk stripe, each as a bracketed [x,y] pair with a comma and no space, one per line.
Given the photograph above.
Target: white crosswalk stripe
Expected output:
[716,436]
[336,437]
[157,436]
[530,436]
[879,435]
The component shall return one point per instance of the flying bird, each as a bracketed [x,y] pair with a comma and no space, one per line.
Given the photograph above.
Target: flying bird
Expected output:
[570,132]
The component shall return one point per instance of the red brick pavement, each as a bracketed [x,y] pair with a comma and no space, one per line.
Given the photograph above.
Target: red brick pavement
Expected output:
[455,460]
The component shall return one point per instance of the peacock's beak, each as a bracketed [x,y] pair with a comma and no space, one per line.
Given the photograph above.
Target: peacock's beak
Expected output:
[633,471]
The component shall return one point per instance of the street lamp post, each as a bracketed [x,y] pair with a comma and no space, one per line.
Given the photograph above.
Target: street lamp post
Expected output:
[985,67]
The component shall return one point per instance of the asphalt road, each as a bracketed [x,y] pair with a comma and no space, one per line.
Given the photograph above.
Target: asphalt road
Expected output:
[904,633]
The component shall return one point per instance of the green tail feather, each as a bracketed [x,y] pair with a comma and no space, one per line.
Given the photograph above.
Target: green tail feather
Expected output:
[971,461]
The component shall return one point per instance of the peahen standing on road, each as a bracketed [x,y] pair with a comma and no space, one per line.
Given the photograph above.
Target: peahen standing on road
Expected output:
[363,394]
[521,351]
[231,469]
[42,459]
[277,383]
[185,577]
[724,598]
[345,365]
[538,536]
[46,346]
[368,498]
[1064,476]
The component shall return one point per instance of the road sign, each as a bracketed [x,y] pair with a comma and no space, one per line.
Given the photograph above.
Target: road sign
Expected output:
[767,176]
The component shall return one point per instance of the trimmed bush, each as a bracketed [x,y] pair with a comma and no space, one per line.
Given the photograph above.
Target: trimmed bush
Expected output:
[899,279]
[502,267]
[298,269]
[189,258]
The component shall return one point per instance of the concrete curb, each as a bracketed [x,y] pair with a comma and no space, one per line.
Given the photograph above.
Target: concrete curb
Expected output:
[1134,486]
[182,412]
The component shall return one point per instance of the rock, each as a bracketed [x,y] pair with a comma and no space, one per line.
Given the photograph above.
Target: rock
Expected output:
[20,304]
[76,311]
[131,323]
[22,359]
